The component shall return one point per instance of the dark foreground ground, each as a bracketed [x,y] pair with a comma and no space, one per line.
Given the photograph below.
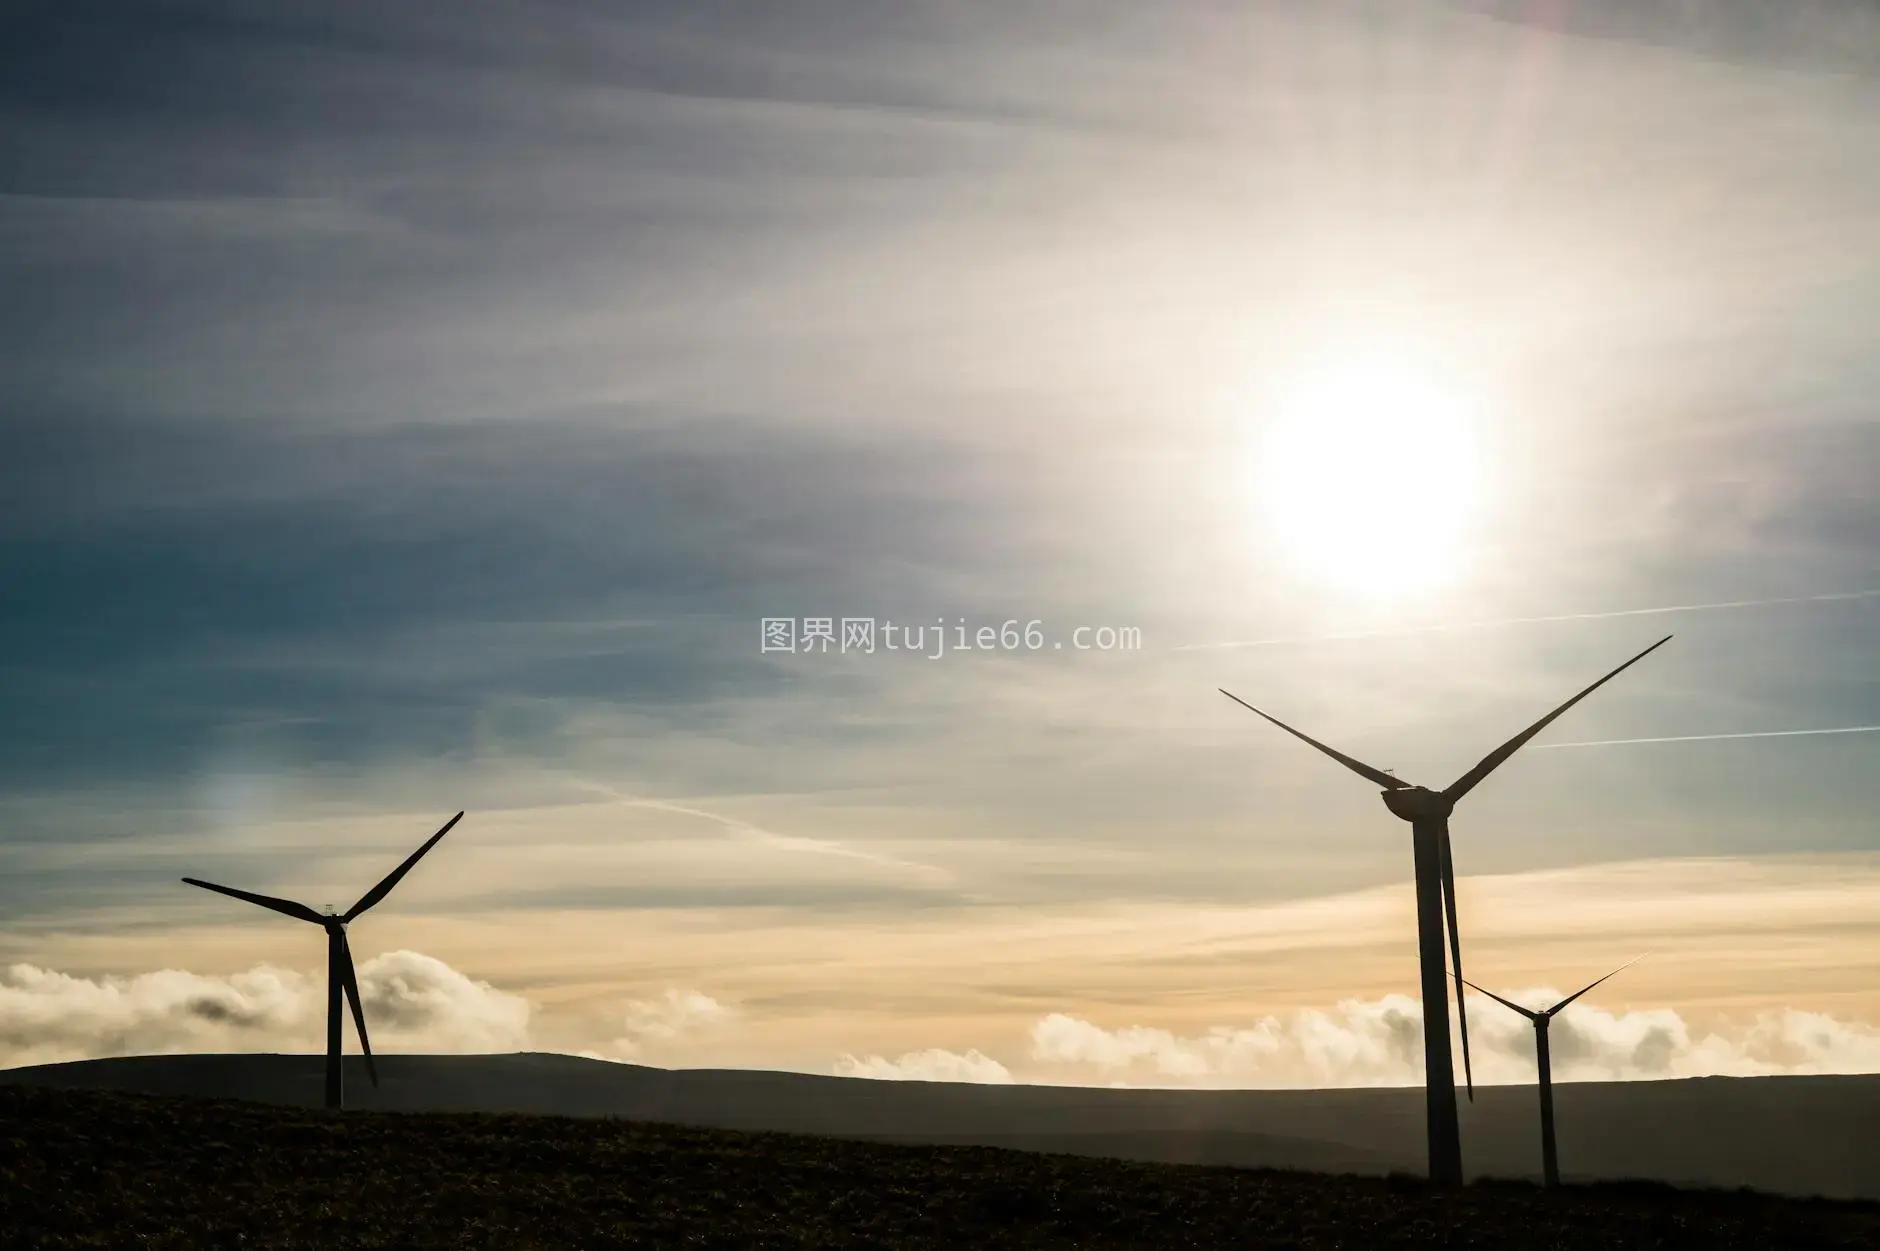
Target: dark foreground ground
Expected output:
[104,1169]
[1800,1136]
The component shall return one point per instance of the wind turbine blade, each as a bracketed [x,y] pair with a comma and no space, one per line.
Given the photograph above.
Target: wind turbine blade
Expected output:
[1358,767]
[1467,782]
[1529,1013]
[299,911]
[384,888]
[1455,955]
[358,1009]
[1576,994]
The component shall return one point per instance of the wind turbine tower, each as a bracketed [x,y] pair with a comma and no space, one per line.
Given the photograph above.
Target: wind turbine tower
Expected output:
[341,980]
[1428,811]
[1550,1159]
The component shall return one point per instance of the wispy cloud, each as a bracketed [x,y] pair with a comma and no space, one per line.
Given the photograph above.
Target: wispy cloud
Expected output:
[770,838]
[1502,622]
[1705,738]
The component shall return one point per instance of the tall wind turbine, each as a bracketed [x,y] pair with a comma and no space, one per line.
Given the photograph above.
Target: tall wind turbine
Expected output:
[1428,813]
[339,963]
[1550,1160]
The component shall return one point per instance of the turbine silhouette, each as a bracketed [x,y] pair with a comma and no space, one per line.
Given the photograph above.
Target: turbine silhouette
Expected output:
[1550,1160]
[340,977]
[1428,813]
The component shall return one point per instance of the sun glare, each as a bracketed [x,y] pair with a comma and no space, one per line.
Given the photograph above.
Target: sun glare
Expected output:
[1369,478]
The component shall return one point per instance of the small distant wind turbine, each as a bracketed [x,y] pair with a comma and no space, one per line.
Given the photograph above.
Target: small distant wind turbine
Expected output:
[339,963]
[1428,813]
[1550,1161]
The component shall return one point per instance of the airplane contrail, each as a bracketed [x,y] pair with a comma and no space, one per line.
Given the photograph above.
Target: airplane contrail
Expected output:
[1512,621]
[1705,738]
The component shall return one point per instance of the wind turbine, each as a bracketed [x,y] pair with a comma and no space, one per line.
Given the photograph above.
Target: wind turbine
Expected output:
[1550,1160]
[1428,813]
[339,963]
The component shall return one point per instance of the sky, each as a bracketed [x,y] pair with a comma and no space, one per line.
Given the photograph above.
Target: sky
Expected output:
[406,412]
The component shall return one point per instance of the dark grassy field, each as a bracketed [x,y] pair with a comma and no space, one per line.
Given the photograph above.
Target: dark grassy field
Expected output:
[102,1169]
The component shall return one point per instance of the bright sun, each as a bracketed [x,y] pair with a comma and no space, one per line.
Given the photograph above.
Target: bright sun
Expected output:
[1369,477]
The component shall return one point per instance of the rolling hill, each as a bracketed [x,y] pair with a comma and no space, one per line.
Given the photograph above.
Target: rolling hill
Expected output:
[1804,1136]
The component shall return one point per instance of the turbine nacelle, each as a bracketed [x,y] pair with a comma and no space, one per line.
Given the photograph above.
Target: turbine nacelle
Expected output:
[1418,803]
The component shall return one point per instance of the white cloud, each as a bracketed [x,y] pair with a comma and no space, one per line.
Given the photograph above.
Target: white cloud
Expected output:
[677,1016]
[412,1003]
[933,1065]
[415,1003]
[419,1003]
[1379,1042]
[1361,1044]
[1590,1043]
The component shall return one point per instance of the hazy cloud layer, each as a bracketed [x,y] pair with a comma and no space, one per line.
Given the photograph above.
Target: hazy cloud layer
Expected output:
[1800,34]
[401,411]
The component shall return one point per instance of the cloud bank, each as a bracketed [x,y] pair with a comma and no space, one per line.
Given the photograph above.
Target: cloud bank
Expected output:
[416,1003]
[936,1064]
[675,1019]
[1380,1043]
[413,1002]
